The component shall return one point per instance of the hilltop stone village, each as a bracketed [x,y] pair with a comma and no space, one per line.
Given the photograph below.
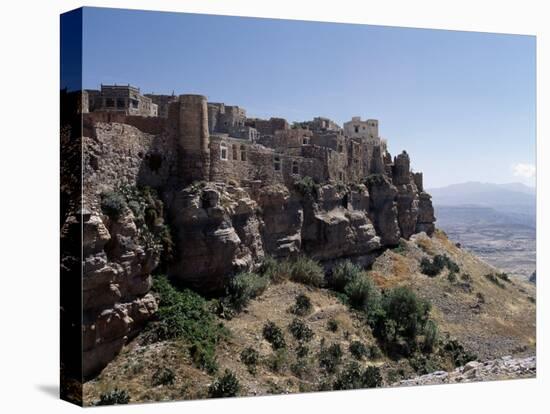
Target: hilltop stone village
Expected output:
[220,143]
[228,191]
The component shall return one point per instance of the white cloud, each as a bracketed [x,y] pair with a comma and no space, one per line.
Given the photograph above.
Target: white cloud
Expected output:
[524,170]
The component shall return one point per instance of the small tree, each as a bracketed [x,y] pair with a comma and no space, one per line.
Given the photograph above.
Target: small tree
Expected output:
[225,386]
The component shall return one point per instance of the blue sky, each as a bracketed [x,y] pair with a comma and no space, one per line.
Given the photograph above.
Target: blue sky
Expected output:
[462,104]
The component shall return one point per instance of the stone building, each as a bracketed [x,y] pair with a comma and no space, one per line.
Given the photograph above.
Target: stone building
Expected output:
[163,102]
[124,99]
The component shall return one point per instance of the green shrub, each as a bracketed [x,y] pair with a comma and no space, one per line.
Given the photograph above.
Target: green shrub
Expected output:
[302,305]
[274,335]
[375,352]
[358,350]
[407,311]
[163,376]
[275,270]
[401,248]
[225,386]
[330,358]
[351,378]
[451,277]
[433,268]
[278,361]
[431,334]
[422,365]
[307,271]
[457,352]
[250,357]
[300,368]
[307,187]
[302,350]
[300,331]
[243,287]
[504,276]
[494,279]
[363,294]
[332,325]
[184,315]
[429,268]
[114,397]
[342,274]
[113,204]
[372,377]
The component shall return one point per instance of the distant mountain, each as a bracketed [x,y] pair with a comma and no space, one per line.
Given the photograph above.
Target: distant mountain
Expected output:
[495,221]
[498,196]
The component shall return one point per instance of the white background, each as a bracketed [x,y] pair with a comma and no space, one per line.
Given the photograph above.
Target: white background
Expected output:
[29,161]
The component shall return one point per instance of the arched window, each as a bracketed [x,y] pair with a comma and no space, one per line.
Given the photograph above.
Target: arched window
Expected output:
[235,152]
[223,151]
[295,167]
[305,140]
[243,153]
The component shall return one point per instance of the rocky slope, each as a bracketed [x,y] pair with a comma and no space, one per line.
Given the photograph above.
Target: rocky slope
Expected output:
[488,319]
[497,369]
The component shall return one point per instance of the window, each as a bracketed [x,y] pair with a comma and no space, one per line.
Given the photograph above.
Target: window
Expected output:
[120,103]
[234,150]
[243,153]
[340,148]
[135,103]
[363,128]
[223,151]
[305,140]
[295,167]
[340,176]
[277,163]
[356,128]
[110,103]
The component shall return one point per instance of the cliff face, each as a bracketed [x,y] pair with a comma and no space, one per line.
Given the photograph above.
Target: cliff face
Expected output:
[223,229]
[218,229]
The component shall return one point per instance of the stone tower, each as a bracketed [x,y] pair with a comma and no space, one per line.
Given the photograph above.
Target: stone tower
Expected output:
[193,138]
[401,169]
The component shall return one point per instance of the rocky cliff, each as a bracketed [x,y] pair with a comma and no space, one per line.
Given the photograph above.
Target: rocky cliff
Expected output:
[218,228]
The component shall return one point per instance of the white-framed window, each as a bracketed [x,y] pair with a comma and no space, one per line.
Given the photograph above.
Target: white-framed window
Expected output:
[234,152]
[277,163]
[223,151]
[305,140]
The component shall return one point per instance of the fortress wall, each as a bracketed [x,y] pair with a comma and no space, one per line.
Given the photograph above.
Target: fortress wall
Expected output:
[148,124]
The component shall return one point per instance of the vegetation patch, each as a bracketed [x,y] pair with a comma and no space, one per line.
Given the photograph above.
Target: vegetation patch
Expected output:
[330,358]
[225,386]
[163,376]
[332,325]
[148,211]
[184,315]
[493,278]
[274,335]
[250,357]
[358,350]
[307,271]
[241,288]
[435,267]
[302,305]
[114,397]
[342,274]
[300,331]
[307,187]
